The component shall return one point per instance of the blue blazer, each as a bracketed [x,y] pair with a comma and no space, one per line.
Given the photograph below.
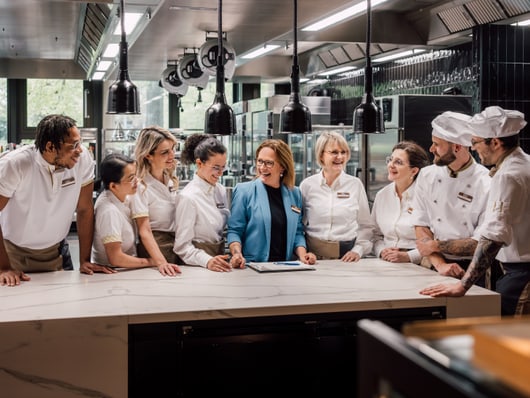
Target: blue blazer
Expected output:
[250,220]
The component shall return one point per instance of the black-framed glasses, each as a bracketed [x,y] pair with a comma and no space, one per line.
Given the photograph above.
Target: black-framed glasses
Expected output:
[267,163]
[396,161]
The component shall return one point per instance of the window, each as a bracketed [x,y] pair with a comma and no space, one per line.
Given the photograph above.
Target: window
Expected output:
[47,96]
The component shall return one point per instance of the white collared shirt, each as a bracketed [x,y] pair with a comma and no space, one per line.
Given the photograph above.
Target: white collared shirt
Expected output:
[507,217]
[42,200]
[452,208]
[393,221]
[337,213]
[201,215]
[156,201]
[114,223]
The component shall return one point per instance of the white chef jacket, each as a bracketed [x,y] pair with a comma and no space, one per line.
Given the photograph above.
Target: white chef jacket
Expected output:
[157,201]
[452,208]
[392,219]
[42,201]
[337,213]
[114,223]
[201,215]
[507,216]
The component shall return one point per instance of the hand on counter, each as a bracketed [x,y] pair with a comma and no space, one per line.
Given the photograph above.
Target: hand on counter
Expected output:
[445,290]
[351,256]
[219,263]
[12,277]
[89,268]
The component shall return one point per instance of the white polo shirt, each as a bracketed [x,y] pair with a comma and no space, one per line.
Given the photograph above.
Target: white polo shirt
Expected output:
[113,224]
[42,202]
[201,215]
[157,201]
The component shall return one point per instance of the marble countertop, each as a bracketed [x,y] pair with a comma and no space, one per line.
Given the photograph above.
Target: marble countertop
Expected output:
[144,295]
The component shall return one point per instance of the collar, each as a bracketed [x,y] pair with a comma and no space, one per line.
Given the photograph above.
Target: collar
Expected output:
[50,168]
[334,184]
[203,185]
[454,174]
[497,166]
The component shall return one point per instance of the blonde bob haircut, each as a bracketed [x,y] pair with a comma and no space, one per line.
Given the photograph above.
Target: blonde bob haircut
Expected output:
[330,137]
[285,159]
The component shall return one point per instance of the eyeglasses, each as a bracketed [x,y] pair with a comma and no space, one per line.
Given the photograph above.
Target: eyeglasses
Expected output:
[336,153]
[396,162]
[217,169]
[73,146]
[130,180]
[267,163]
[475,142]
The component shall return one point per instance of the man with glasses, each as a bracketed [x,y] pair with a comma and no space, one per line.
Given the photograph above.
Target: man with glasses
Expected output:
[505,231]
[41,186]
[450,198]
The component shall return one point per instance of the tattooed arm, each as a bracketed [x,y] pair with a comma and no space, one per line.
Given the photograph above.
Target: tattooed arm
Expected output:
[482,260]
[458,247]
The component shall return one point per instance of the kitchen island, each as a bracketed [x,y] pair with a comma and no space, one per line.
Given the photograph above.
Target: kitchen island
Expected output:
[65,334]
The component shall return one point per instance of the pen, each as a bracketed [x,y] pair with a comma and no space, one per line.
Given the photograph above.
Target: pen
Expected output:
[287,263]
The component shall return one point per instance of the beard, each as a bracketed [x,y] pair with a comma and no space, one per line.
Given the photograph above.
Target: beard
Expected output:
[444,160]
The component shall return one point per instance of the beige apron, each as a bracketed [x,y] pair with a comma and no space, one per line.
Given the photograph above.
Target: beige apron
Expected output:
[213,249]
[165,241]
[34,260]
[323,249]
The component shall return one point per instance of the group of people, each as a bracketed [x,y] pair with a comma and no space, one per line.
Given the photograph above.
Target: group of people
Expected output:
[450,216]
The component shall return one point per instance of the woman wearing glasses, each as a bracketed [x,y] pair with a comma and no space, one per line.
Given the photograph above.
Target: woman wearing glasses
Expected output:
[202,206]
[154,204]
[336,211]
[115,233]
[394,236]
[266,214]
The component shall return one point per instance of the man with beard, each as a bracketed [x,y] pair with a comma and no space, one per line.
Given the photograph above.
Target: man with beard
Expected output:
[41,186]
[450,198]
[506,227]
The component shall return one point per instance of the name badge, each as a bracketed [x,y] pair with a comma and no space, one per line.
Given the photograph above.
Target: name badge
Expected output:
[295,209]
[67,181]
[464,196]
[343,195]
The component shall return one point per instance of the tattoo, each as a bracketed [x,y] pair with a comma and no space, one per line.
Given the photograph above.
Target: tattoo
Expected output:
[482,260]
[458,247]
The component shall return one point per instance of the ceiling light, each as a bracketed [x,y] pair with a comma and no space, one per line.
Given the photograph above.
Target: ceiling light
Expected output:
[103,65]
[131,20]
[260,51]
[98,75]
[337,71]
[401,54]
[111,51]
[340,16]
[526,22]
[295,116]
[367,117]
[123,94]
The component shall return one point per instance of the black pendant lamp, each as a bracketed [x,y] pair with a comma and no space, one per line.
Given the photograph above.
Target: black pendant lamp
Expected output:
[123,94]
[219,118]
[295,116]
[367,117]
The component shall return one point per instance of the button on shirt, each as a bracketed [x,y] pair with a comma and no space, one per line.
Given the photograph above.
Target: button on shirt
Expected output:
[337,213]
[508,211]
[156,201]
[451,207]
[201,215]
[113,224]
[42,198]
[393,221]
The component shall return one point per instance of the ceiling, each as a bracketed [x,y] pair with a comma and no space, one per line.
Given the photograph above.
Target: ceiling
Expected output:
[63,38]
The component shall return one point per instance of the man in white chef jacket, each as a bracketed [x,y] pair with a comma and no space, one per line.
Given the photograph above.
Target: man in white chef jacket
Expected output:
[41,186]
[450,198]
[505,232]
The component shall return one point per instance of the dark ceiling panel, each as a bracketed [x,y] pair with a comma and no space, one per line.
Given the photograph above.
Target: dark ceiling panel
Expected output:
[456,19]
[485,11]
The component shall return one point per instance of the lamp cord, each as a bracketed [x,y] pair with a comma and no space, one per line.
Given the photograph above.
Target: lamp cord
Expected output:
[220,78]
[122,20]
[368,84]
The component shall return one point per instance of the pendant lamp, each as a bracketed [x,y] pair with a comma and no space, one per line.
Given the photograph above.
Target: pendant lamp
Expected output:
[123,94]
[219,118]
[295,116]
[367,117]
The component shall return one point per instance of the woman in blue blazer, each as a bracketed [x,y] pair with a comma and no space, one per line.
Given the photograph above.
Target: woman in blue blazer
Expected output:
[265,222]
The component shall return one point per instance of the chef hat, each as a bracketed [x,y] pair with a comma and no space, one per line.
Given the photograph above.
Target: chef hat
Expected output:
[495,122]
[452,127]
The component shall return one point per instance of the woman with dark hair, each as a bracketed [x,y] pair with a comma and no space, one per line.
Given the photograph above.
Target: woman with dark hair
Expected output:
[266,214]
[394,235]
[115,233]
[154,204]
[202,206]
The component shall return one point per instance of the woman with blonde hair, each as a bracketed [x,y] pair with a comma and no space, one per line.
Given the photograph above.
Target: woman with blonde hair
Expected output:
[154,204]
[336,211]
[265,223]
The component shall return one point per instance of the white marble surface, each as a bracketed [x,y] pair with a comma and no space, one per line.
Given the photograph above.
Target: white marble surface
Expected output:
[65,335]
[144,295]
